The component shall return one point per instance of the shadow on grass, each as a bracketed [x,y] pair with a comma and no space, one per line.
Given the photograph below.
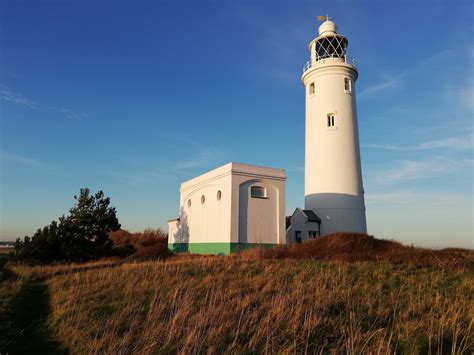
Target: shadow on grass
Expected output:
[6,273]
[24,327]
[29,331]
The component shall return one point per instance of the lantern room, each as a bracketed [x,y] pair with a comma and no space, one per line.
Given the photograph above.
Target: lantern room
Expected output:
[329,45]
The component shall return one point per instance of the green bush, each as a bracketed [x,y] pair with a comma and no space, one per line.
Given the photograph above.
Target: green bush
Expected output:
[81,235]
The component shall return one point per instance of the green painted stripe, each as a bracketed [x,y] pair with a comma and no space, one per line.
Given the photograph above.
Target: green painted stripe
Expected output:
[238,247]
[215,248]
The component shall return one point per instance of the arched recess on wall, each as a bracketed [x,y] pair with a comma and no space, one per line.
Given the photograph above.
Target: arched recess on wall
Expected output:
[258,218]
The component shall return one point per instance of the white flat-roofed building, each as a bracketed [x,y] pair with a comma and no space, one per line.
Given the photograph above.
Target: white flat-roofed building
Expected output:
[230,208]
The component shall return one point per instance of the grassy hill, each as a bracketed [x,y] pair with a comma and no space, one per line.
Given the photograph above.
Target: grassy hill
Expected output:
[297,299]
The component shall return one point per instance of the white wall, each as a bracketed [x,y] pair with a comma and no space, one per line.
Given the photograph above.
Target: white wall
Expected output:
[332,158]
[258,220]
[207,222]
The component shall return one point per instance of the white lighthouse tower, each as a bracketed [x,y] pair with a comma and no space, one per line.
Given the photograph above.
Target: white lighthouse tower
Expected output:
[333,177]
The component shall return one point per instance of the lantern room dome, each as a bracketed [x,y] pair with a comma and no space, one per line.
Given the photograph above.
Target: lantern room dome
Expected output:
[327,28]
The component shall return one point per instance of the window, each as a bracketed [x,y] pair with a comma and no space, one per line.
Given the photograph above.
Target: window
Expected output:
[312,234]
[311,88]
[219,195]
[298,237]
[258,192]
[189,203]
[331,120]
[203,199]
[347,85]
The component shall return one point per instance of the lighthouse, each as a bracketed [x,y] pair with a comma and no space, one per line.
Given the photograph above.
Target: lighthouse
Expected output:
[333,175]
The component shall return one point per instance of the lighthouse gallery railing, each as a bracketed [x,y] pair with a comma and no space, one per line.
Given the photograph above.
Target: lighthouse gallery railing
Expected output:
[346,58]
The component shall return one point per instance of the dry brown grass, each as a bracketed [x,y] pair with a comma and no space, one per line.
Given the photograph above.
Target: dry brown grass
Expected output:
[4,250]
[361,247]
[233,304]
[339,294]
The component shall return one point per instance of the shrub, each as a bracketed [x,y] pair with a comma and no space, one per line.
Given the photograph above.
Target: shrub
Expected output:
[151,243]
[82,235]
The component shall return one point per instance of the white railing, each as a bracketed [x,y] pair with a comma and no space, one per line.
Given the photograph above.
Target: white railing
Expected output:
[347,59]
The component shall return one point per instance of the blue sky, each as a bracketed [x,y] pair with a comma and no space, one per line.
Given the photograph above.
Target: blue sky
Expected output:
[135,97]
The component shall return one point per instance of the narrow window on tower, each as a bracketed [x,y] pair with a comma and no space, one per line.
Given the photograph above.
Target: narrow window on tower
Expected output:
[331,120]
[347,86]
[311,88]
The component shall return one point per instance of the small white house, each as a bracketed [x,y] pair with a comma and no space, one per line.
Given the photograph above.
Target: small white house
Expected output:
[230,208]
[303,225]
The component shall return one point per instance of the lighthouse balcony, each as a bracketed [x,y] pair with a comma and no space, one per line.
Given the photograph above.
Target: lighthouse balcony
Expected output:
[329,59]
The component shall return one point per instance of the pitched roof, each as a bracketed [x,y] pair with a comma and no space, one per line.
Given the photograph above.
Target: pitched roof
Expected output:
[311,216]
